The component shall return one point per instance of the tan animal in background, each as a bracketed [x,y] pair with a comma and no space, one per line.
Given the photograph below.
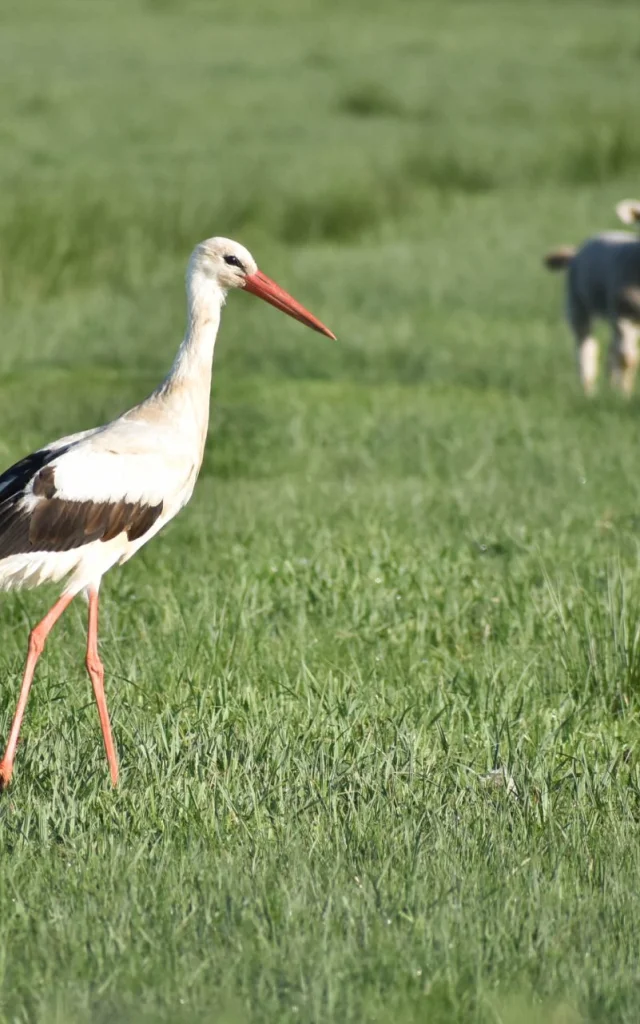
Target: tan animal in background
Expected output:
[603,280]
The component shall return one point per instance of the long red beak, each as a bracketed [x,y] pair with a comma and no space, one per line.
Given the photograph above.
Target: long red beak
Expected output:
[262,286]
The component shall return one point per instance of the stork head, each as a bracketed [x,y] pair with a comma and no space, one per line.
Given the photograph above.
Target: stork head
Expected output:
[226,264]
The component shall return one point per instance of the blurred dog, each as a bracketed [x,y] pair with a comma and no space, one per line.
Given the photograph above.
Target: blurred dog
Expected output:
[603,280]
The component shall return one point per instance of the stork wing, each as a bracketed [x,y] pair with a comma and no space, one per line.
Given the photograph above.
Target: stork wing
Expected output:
[110,482]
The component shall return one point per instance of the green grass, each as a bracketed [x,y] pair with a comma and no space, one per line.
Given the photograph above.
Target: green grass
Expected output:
[410,572]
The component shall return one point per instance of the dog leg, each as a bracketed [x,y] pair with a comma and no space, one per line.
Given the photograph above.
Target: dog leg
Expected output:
[624,355]
[588,363]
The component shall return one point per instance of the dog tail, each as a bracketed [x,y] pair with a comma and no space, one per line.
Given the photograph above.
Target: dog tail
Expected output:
[560,258]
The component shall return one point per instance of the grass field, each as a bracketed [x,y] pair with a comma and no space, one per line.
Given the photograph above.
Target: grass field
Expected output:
[410,570]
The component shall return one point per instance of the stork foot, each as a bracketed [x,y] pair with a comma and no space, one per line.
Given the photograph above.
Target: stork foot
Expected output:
[6,771]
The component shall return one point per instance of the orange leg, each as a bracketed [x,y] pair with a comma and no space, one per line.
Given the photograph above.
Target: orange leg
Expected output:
[95,668]
[37,638]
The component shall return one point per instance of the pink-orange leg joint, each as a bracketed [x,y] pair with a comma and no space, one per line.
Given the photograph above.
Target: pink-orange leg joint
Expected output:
[37,639]
[95,668]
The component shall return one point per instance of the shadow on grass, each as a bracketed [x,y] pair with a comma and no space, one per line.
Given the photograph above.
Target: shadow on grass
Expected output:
[603,152]
[50,242]
[371,99]
[448,171]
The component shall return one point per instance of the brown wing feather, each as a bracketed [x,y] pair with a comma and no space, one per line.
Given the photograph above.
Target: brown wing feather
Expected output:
[57,524]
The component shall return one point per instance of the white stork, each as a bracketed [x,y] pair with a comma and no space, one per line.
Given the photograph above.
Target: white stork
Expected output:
[79,505]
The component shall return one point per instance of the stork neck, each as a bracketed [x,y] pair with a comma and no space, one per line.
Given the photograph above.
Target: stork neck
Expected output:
[193,362]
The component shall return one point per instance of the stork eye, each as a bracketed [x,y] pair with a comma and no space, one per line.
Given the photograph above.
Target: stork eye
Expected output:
[233,261]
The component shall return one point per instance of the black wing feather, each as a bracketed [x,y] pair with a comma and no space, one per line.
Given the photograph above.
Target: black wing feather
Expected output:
[15,479]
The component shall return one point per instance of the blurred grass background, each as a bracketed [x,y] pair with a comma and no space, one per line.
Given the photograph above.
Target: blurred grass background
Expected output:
[412,557]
